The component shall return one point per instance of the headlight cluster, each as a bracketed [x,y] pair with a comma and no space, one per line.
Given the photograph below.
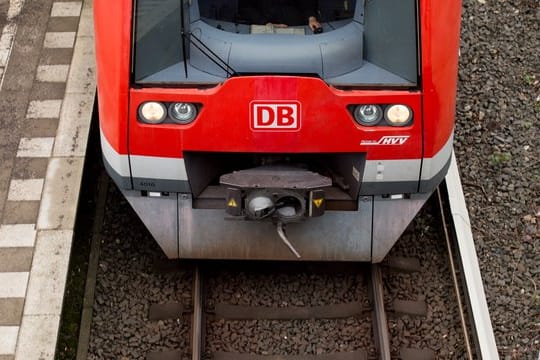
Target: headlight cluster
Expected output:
[375,114]
[153,112]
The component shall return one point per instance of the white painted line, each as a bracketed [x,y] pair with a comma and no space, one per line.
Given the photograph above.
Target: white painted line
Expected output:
[62,9]
[86,23]
[6,42]
[15,7]
[52,73]
[8,339]
[37,337]
[25,190]
[72,134]
[471,269]
[48,273]
[49,109]
[59,40]
[19,235]
[13,284]
[35,147]
[83,59]
[61,193]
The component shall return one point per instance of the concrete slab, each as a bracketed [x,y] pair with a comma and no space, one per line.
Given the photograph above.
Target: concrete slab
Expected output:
[60,196]
[11,311]
[66,9]
[42,150]
[25,190]
[30,168]
[8,339]
[13,284]
[35,147]
[52,73]
[19,235]
[44,109]
[48,274]
[40,127]
[73,128]
[63,24]
[45,90]
[82,80]
[36,337]
[56,56]
[16,259]
[20,212]
[86,27]
[6,41]
[56,40]
[15,7]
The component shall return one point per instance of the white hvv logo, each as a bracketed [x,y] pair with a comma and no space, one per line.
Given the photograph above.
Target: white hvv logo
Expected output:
[283,115]
[387,140]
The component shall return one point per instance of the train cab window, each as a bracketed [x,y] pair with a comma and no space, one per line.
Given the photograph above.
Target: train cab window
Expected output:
[291,16]
[157,43]
[360,42]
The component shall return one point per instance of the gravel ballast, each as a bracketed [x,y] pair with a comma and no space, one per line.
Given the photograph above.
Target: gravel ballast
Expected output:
[496,143]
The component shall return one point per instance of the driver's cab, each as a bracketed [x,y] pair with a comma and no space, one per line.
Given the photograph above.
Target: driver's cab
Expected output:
[360,42]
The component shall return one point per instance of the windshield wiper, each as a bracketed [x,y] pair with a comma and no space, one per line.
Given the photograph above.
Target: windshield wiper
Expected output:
[201,46]
[210,54]
[182,31]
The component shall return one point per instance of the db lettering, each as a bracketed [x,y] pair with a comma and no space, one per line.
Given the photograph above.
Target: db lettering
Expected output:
[275,116]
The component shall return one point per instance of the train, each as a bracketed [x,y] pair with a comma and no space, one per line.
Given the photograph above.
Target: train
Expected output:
[277,130]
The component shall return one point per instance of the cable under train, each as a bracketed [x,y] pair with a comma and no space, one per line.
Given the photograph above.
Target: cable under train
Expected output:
[235,134]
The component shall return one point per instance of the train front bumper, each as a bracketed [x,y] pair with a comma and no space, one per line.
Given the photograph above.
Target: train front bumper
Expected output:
[365,235]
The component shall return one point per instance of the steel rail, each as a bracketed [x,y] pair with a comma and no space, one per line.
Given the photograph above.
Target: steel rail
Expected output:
[380,322]
[455,280]
[197,317]
[482,328]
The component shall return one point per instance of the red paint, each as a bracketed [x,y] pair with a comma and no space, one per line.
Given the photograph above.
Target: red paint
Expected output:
[224,122]
[275,115]
[440,25]
[112,28]
[324,122]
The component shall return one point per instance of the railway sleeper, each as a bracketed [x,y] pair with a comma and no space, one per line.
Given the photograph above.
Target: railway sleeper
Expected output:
[410,307]
[416,354]
[353,355]
[334,311]
[402,264]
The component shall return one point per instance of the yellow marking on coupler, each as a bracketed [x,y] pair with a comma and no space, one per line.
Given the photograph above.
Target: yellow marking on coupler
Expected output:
[318,202]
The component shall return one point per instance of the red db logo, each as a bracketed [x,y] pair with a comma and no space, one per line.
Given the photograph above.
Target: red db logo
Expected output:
[275,116]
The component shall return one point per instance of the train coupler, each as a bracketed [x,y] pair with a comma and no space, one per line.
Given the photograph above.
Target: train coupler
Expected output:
[283,195]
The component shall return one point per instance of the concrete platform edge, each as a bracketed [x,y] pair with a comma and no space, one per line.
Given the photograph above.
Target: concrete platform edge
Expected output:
[56,220]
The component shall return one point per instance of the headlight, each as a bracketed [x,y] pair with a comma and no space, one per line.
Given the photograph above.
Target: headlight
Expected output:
[368,115]
[182,113]
[398,115]
[152,112]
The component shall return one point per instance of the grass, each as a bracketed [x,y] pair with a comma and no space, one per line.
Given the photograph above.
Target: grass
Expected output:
[500,158]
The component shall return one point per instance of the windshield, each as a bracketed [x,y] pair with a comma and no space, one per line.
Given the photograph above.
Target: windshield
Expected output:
[285,12]
[341,41]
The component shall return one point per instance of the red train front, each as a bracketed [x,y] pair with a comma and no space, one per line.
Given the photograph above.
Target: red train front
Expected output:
[235,134]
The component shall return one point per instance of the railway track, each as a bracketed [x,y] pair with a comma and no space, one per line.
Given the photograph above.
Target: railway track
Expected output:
[365,309]
[362,322]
